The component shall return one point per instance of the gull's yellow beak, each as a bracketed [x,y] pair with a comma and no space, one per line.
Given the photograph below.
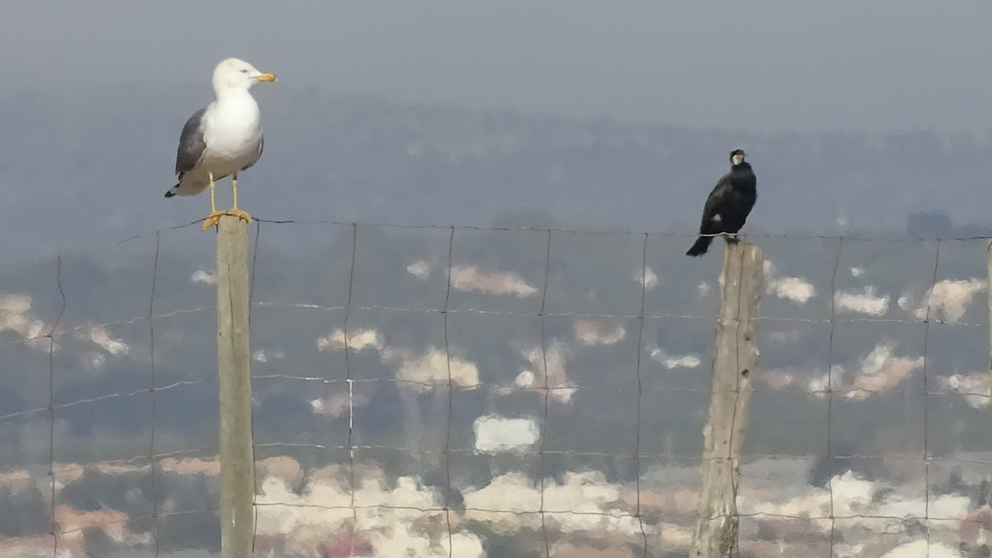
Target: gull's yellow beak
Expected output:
[267,77]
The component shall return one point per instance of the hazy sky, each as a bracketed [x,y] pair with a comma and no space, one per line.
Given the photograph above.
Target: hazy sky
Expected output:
[759,66]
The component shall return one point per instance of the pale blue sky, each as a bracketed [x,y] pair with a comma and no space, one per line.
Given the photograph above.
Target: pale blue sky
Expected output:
[759,66]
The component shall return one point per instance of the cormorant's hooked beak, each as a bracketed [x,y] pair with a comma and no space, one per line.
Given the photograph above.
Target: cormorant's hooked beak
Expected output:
[266,77]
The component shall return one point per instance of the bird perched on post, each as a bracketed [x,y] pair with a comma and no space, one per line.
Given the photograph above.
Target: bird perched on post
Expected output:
[728,206]
[222,139]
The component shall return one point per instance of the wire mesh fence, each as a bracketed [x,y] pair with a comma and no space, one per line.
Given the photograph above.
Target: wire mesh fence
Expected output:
[463,391]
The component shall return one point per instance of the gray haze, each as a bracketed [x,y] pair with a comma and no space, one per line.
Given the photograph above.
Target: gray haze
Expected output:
[758,66]
[579,114]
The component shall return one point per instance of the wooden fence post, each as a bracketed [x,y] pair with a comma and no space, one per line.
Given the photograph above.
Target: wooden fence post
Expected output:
[741,283]
[237,475]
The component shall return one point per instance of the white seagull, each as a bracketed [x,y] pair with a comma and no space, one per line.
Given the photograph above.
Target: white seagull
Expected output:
[222,139]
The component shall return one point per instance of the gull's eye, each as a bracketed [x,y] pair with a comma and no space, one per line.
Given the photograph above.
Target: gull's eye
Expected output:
[244,71]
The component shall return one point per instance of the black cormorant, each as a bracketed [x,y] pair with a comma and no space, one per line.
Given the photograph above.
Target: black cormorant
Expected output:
[729,204]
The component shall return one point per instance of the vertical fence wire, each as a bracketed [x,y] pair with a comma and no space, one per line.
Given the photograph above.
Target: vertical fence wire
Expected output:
[55,529]
[447,363]
[830,384]
[254,449]
[151,390]
[351,383]
[926,395]
[640,394]
[547,392]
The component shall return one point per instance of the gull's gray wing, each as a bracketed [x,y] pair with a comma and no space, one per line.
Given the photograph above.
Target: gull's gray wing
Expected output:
[191,144]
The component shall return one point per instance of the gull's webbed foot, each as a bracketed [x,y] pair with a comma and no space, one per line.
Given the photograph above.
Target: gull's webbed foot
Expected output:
[238,213]
[213,219]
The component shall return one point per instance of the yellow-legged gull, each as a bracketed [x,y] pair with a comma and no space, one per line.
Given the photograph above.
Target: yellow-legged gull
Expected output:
[222,139]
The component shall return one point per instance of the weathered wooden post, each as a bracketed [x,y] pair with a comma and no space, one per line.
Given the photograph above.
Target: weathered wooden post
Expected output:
[237,475]
[736,357]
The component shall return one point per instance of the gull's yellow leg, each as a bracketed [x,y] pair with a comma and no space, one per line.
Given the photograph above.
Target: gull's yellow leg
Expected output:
[214,218]
[234,209]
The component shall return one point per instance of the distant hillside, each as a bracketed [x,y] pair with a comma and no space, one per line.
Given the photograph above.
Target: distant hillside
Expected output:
[90,166]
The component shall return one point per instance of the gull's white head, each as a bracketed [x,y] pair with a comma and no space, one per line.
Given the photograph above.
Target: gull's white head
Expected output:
[237,74]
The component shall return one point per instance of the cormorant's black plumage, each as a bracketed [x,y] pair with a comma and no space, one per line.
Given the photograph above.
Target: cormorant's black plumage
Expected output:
[728,206]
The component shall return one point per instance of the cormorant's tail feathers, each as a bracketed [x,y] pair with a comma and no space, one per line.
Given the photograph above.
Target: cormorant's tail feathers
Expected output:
[699,248]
